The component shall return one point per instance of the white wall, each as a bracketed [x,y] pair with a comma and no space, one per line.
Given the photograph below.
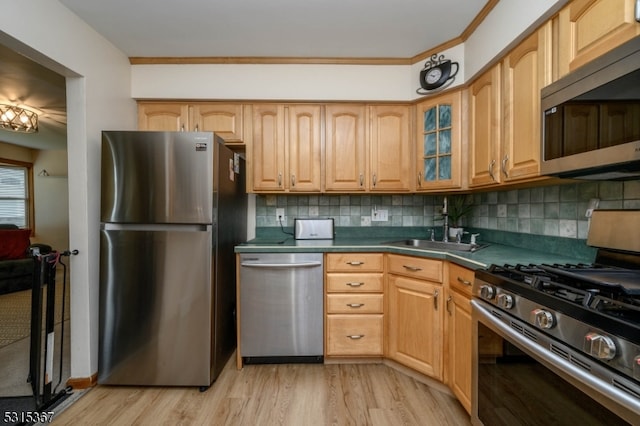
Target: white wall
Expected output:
[98,97]
[51,198]
[506,23]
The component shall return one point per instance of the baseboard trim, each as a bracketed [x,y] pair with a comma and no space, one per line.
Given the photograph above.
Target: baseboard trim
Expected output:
[83,382]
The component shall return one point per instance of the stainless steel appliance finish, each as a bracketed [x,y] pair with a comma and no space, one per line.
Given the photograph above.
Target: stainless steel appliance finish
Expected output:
[281,307]
[590,119]
[574,329]
[171,213]
[313,229]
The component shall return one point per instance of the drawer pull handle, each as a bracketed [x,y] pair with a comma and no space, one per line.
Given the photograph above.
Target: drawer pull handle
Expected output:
[355,305]
[412,268]
[449,301]
[355,263]
[463,281]
[356,336]
[354,284]
[435,299]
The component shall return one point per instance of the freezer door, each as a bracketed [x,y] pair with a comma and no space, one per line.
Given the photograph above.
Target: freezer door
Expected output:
[157,177]
[155,306]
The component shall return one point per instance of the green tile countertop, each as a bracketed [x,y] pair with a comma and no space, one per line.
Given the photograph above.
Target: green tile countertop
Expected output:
[495,253]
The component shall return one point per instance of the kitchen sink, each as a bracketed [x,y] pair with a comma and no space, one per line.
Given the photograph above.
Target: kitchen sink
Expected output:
[437,245]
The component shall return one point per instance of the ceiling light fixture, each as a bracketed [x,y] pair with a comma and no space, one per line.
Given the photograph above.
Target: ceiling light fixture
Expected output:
[18,119]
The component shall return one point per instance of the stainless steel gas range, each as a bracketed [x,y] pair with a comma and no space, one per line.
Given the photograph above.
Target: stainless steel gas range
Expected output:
[560,344]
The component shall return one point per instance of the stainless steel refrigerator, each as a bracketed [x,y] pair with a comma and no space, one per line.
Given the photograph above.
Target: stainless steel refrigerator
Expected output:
[173,206]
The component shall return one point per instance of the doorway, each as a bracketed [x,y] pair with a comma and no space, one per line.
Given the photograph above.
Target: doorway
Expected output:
[25,82]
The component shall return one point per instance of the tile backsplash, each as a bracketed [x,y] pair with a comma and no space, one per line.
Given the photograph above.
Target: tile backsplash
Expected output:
[557,210]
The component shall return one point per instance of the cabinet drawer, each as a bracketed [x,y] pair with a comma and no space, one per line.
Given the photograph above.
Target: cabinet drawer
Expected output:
[426,269]
[461,279]
[354,335]
[346,282]
[353,262]
[354,303]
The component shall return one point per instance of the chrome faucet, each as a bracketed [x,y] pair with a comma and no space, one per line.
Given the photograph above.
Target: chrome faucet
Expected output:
[445,225]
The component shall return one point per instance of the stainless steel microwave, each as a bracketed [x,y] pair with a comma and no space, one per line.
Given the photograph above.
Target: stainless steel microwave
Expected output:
[591,119]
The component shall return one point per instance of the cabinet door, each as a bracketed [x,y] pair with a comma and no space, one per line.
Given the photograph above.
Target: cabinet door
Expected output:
[169,117]
[484,128]
[304,145]
[460,339]
[439,143]
[390,148]
[346,158]
[590,28]
[526,71]
[226,120]
[267,152]
[415,324]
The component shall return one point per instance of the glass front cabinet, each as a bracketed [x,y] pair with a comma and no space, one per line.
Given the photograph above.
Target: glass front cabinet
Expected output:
[439,142]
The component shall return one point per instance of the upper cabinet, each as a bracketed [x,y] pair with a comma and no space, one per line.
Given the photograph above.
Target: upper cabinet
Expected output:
[590,28]
[526,70]
[285,151]
[438,143]
[390,148]
[346,147]
[227,120]
[485,128]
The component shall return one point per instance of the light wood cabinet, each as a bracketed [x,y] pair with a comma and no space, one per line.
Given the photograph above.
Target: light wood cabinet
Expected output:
[589,28]
[346,148]
[227,120]
[439,142]
[526,70]
[285,148]
[354,305]
[415,314]
[367,148]
[485,122]
[459,333]
[390,148]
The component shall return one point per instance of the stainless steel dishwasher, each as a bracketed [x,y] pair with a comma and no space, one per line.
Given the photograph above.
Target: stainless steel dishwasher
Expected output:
[281,307]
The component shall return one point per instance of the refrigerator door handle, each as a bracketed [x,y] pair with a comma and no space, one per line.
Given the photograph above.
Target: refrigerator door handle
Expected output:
[154,227]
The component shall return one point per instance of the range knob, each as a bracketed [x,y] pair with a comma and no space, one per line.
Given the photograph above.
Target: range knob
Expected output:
[505,301]
[487,292]
[543,319]
[599,346]
[636,367]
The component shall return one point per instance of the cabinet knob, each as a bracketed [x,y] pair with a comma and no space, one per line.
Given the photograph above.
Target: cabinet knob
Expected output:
[375,179]
[419,179]
[279,179]
[293,180]
[361,179]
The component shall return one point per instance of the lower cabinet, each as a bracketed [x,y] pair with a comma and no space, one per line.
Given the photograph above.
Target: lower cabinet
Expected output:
[415,313]
[354,305]
[459,333]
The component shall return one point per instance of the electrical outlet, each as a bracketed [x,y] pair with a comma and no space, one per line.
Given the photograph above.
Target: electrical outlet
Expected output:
[365,221]
[593,204]
[280,217]
[379,215]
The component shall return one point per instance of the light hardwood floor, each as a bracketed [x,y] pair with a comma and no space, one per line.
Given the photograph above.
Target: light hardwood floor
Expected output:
[286,394]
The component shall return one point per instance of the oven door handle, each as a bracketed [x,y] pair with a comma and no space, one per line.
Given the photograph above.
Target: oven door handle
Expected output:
[559,365]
